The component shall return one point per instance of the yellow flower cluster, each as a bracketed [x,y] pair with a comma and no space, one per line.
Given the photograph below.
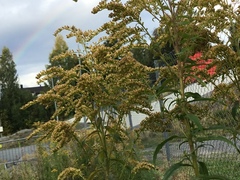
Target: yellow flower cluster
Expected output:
[59,133]
[71,173]
[143,165]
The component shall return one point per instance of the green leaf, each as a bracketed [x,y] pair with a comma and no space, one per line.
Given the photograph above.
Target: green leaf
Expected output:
[215,177]
[172,169]
[193,95]
[234,109]
[92,134]
[172,102]
[160,146]
[179,146]
[209,138]
[114,133]
[202,99]
[203,168]
[216,127]
[168,90]
[94,174]
[163,88]
[195,120]
[204,145]
[197,97]
[199,80]
[219,138]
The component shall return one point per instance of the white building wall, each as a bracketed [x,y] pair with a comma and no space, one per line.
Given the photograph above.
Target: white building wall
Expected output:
[195,88]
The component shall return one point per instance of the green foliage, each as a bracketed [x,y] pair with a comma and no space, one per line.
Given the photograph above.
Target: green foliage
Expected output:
[57,58]
[172,169]
[93,95]
[24,170]
[12,97]
[51,164]
[186,27]
[114,83]
[8,73]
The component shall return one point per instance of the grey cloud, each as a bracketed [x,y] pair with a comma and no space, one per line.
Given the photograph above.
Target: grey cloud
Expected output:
[21,19]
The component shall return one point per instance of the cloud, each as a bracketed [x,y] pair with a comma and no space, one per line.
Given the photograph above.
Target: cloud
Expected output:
[28,26]
[28,80]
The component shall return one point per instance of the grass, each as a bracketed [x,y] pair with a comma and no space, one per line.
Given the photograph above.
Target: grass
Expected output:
[17,140]
[21,171]
[49,165]
[227,165]
[223,164]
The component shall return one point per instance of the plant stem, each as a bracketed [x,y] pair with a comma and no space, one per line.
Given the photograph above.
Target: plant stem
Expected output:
[102,135]
[188,126]
[192,148]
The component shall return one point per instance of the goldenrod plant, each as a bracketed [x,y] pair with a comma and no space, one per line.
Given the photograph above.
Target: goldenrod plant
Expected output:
[191,27]
[114,83]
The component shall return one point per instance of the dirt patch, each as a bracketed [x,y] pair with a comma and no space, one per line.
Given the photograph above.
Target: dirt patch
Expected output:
[17,139]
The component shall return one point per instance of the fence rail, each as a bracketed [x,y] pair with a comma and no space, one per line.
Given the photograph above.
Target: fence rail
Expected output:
[15,151]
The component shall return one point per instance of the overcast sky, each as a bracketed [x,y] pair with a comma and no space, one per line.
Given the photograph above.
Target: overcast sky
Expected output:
[27,28]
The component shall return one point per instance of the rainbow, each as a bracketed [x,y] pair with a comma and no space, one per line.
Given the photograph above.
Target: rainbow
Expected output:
[39,30]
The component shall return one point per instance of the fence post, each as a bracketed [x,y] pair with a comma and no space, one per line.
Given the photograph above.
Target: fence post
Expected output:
[165,133]
[130,120]
[85,121]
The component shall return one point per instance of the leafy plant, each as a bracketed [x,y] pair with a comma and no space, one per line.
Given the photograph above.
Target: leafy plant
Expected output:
[105,93]
[114,83]
[190,27]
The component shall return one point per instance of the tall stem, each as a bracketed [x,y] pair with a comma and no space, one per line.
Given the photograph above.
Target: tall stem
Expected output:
[183,102]
[103,140]
[192,148]
[186,121]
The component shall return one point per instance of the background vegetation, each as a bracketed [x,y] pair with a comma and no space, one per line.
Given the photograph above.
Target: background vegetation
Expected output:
[104,82]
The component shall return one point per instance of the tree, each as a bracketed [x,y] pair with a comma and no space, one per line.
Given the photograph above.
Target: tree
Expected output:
[8,73]
[149,56]
[36,113]
[9,91]
[165,55]
[60,47]
[60,58]
[57,58]
[234,37]
[13,98]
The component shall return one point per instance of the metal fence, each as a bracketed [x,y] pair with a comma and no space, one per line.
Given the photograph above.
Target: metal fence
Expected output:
[220,157]
[16,151]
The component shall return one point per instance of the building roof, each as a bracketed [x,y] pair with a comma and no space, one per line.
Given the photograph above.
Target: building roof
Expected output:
[35,90]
